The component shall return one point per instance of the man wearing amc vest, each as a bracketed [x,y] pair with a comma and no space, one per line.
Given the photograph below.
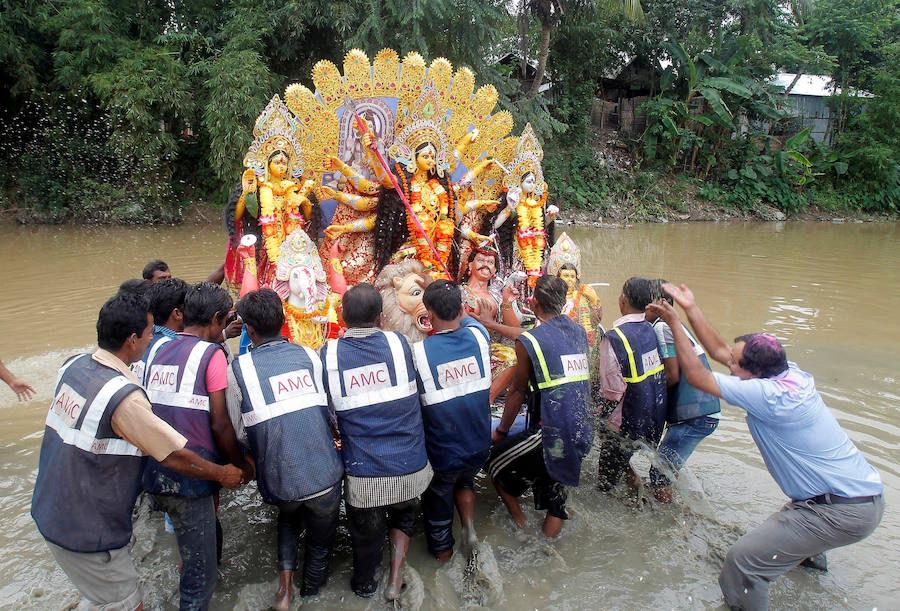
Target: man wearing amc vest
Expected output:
[282,412]
[371,382]
[552,378]
[99,428]
[641,415]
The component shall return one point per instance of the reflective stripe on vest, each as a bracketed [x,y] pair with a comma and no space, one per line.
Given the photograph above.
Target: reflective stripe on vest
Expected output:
[647,373]
[184,397]
[543,376]
[402,389]
[262,411]
[85,438]
[151,354]
[433,394]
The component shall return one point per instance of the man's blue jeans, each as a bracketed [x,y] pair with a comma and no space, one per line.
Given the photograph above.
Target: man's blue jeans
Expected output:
[679,443]
[195,529]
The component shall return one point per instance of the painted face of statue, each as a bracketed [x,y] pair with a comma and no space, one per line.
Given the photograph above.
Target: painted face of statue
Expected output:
[278,166]
[528,182]
[425,159]
[483,266]
[302,285]
[409,297]
[570,278]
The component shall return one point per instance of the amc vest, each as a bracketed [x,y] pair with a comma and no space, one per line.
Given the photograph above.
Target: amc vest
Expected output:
[372,385]
[139,368]
[685,401]
[176,384]
[644,404]
[455,370]
[88,477]
[285,412]
[558,349]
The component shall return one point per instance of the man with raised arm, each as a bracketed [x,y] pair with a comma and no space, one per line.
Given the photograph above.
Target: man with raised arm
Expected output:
[835,494]
[99,428]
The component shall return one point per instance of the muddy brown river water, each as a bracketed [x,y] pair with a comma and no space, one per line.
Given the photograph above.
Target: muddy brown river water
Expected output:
[830,292]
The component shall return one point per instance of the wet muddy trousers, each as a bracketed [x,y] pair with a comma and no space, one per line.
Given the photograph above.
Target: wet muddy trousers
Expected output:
[613,454]
[194,519]
[367,533]
[319,517]
[437,506]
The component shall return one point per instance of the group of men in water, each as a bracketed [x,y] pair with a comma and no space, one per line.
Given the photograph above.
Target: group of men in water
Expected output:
[380,424]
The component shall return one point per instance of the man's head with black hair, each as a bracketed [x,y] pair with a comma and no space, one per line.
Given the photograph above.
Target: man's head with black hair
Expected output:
[135,286]
[443,299]
[550,294]
[203,301]
[636,292]
[166,296]
[262,313]
[657,292]
[761,354]
[156,270]
[362,305]
[120,318]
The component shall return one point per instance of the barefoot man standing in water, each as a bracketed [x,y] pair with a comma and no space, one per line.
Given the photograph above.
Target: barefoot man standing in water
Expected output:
[371,384]
[551,376]
[835,494]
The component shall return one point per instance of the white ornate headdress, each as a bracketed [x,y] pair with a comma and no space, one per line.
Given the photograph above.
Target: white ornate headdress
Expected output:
[276,129]
[298,249]
[564,251]
[426,125]
[527,158]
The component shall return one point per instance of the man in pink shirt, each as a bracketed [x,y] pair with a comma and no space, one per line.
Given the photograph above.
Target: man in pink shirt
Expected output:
[186,382]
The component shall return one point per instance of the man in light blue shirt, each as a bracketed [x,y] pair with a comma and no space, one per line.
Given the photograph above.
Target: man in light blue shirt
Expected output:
[835,494]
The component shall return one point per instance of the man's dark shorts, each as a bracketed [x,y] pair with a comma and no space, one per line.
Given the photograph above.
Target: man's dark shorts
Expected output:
[517,463]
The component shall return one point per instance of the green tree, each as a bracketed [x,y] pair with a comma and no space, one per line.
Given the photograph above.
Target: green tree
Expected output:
[551,13]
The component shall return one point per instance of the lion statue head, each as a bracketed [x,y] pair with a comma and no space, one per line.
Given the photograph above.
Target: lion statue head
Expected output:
[401,286]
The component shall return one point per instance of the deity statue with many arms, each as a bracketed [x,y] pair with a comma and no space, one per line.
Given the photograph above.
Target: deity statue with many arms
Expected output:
[426,125]
[521,221]
[273,190]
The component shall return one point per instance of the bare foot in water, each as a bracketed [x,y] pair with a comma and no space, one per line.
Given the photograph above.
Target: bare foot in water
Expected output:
[635,484]
[663,494]
[399,546]
[285,592]
[512,506]
[552,526]
[470,539]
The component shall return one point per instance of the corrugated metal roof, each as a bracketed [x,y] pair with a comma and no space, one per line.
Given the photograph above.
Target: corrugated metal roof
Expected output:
[817,85]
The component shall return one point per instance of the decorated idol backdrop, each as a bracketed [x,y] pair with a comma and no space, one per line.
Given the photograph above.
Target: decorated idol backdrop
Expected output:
[371,169]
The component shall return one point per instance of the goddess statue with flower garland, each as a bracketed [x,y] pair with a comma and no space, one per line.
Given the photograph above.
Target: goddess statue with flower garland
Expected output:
[440,136]
[522,220]
[271,190]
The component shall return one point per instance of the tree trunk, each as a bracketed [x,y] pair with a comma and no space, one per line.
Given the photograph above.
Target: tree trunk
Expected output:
[542,61]
[522,22]
[787,89]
